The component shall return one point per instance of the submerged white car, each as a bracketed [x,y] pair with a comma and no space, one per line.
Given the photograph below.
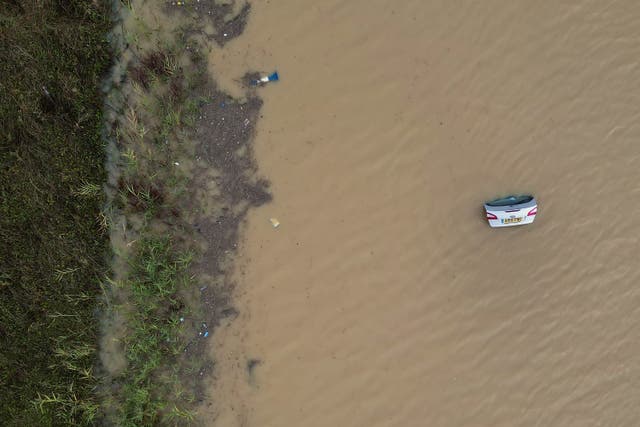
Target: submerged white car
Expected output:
[511,210]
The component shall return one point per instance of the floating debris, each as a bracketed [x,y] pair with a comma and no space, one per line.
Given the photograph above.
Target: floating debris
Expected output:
[252,364]
[273,77]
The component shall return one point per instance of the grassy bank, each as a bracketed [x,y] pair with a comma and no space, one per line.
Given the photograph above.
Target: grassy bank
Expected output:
[159,95]
[52,239]
[55,233]
[151,389]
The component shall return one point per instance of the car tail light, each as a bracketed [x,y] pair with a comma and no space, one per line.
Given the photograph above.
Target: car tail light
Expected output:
[491,216]
[533,211]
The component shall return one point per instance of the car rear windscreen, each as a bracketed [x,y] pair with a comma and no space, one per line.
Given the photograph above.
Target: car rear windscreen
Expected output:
[511,200]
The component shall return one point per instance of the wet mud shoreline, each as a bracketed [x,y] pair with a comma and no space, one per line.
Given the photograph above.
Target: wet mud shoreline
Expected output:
[182,181]
[226,185]
[225,182]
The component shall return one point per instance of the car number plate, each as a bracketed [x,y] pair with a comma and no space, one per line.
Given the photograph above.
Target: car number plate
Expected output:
[511,220]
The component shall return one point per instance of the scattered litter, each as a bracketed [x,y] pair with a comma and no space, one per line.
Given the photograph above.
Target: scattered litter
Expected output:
[181,319]
[246,122]
[273,77]
[205,332]
[274,222]
[176,163]
[225,34]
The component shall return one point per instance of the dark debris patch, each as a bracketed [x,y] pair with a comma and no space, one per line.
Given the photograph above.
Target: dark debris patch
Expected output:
[221,14]
[224,135]
[226,127]
[225,131]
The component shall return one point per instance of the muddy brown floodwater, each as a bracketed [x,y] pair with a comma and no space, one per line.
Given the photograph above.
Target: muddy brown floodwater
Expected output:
[384,299]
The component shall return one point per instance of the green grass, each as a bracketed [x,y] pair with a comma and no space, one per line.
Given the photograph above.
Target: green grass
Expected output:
[154,344]
[52,242]
[154,387]
[54,236]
